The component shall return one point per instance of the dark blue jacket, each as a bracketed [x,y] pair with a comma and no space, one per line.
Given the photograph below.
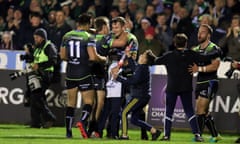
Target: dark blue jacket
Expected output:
[139,82]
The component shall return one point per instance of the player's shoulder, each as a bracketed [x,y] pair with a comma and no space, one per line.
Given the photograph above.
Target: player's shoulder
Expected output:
[214,46]
[130,35]
[170,52]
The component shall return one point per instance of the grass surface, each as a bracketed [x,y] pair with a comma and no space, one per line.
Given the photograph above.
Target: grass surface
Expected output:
[20,134]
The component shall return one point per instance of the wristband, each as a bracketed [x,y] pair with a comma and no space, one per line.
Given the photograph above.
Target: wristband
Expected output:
[200,69]
[204,69]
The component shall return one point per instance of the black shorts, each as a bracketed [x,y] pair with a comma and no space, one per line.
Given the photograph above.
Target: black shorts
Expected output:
[85,84]
[207,89]
[99,83]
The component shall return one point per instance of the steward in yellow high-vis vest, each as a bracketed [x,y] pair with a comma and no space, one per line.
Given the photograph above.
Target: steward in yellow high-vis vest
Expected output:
[45,57]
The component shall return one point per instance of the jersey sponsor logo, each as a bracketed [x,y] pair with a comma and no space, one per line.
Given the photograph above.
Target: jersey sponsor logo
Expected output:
[203,92]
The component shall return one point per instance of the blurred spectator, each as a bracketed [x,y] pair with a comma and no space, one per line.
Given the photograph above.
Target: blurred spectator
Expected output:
[78,7]
[2,23]
[6,41]
[123,9]
[35,7]
[61,27]
[194,15]
[233,7]
[91,10]
[188,4]
[231,43]
[48,5]
[150,43]
[3,8]
[141,3]
[220,31]
[137,20]
[99,8]
[184,25]
[129,23]
[107,5]
[114,12]
[17,25]
[51,19]
[149,13]
[218,12]
[133,7]
[145,23]
[36,22]
[163,31]
[158,4]
[175,18]
[201,7]
[10,12]
[68,19]
[14,22]
[206,19]
[168,10]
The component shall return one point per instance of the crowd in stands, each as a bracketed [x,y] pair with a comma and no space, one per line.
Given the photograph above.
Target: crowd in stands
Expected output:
[154,22]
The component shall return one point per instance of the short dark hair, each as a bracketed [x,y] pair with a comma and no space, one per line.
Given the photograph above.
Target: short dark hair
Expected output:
[84,19]
[100,22]
[35,14]
[119,19]
[150,57]
[180,40]
[210,30]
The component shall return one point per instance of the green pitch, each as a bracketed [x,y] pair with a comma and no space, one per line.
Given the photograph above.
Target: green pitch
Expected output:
[20,134]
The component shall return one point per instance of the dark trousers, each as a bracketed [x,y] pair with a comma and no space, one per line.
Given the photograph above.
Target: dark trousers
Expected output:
[111,110]
[40,112]
[186,99]
[135,105]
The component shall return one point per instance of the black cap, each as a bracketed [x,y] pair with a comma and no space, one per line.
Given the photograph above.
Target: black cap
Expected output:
[41,32]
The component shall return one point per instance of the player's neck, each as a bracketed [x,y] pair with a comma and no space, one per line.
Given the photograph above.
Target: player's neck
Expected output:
[83,28]
[204,44]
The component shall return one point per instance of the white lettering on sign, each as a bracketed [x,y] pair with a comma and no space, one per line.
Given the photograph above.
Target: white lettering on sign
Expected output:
[50,97]
[14,96]
[236,107]
[3,95]
[3,60]
[224,104]
[19,63]
[157,114]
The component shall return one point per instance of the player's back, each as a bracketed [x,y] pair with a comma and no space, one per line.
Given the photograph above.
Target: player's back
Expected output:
[76,44]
